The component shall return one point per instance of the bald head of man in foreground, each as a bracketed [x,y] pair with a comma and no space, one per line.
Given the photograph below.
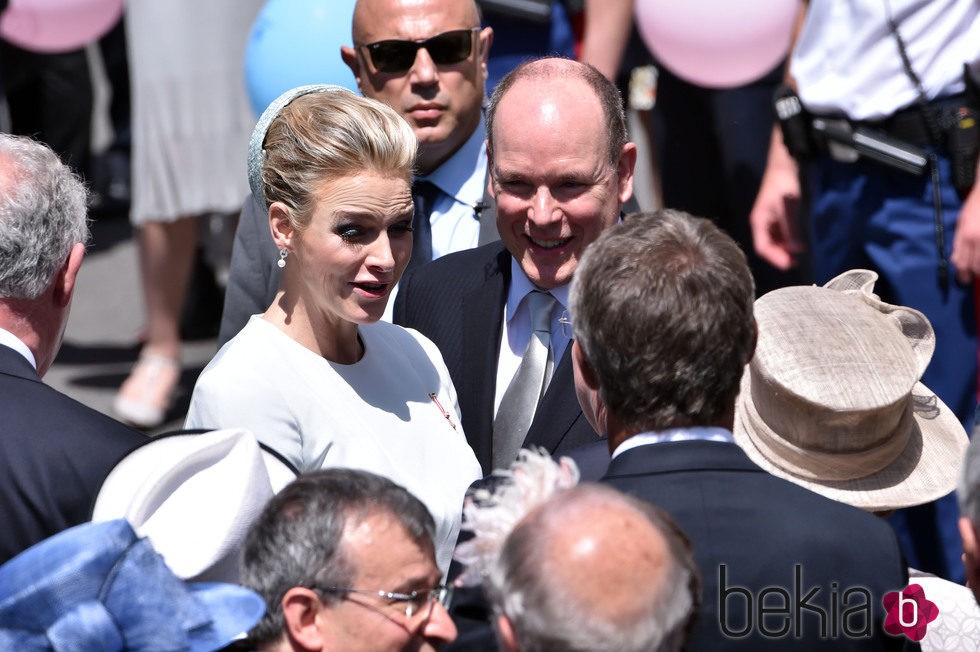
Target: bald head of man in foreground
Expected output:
[594,569]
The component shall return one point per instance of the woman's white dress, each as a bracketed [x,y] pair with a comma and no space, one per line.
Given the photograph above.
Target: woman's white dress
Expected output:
[393,412]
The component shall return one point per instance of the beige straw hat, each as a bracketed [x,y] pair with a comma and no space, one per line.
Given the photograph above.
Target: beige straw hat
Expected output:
[832,399]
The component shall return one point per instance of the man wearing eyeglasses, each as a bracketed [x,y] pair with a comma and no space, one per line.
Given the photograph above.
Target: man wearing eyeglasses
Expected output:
[427,59]
[344,560]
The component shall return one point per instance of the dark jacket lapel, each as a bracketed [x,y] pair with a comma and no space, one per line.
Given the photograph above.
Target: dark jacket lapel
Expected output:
[558,409]
[482,323]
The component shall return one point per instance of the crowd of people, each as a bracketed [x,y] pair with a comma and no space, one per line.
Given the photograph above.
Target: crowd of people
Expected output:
[468,398]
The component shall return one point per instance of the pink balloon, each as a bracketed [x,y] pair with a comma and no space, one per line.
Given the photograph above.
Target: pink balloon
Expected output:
[717,43]
[58,25]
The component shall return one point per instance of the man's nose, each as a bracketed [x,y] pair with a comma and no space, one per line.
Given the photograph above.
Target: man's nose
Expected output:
[424,69]
[439,627]
[544,208]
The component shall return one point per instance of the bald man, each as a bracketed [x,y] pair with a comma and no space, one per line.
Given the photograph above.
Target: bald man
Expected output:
[561,168]
[558,585]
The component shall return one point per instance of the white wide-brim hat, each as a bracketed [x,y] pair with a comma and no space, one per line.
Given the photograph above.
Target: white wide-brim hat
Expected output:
[832,399]
[194,494]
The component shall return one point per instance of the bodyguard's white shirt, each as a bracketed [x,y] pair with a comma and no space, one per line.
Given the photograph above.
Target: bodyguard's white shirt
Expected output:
[9,339]
[517,328]
[455,225]
[847,61]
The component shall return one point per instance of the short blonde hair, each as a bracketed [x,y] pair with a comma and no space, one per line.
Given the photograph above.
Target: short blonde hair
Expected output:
[327,135]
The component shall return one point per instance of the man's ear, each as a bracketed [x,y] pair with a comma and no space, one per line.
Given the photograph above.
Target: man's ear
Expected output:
[490,179]
[483,41]
[584,368]
[971,555]
[301,609]
[64,278]
[624,171]
[349,55]
[505,634]
[281,226]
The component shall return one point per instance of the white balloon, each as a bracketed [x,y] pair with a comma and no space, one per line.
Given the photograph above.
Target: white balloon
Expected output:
[58,25]
[717,43]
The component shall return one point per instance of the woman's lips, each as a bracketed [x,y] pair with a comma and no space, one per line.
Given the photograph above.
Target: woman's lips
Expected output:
[371,289]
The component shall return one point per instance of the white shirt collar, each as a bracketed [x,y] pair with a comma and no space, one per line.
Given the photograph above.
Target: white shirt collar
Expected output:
[675,434]
[457,176]
[9,339]
[520,286]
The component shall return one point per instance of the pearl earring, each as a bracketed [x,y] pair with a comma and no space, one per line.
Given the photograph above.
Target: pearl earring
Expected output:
[282,258]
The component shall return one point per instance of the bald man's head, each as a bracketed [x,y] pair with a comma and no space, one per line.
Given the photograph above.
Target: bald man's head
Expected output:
[594,569]
[438,89]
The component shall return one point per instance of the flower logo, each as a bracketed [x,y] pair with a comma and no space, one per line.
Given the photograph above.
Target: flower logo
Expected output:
[909,612]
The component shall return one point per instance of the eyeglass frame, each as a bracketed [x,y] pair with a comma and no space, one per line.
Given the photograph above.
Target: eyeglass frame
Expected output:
[443,594]
[366,52]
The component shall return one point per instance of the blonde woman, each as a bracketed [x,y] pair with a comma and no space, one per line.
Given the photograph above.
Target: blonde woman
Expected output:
[318,377]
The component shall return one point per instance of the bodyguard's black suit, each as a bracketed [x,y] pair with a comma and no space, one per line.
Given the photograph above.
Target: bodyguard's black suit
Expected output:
[458,302]
[54,455]
[760,528]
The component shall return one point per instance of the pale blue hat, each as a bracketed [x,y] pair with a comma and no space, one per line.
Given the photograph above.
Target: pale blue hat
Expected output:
[98,586]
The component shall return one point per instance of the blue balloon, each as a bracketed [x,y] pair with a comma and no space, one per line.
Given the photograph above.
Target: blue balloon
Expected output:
[294,43]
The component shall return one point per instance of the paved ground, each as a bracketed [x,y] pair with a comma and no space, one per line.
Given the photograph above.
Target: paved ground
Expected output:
[100,342]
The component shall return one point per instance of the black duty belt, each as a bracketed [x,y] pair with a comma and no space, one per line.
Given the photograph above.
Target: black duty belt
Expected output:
[910,124]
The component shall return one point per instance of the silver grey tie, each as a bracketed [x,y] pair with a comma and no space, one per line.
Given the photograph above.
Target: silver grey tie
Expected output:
[519,402]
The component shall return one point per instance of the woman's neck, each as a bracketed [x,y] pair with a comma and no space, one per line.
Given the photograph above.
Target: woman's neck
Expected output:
[334,339]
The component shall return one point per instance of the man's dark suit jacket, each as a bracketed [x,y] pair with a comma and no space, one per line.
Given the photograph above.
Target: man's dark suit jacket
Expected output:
[458,302]
[54,455]
[759,527]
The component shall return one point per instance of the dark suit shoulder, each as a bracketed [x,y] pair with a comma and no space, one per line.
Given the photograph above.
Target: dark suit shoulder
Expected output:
[435,290]
[54,455]
[460,269]
[671,472]
[591,459]
[752,531]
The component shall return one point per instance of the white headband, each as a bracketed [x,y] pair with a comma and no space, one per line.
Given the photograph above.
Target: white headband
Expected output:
[256,152]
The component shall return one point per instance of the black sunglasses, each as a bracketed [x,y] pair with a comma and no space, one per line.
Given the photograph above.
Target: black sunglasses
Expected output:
[397,55]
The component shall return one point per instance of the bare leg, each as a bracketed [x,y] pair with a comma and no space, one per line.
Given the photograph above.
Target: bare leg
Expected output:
[166,252]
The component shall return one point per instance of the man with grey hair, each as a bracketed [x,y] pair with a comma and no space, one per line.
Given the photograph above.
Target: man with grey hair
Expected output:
[662,306]
[556,587]
[54,452]
[344,560]
[968,494]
